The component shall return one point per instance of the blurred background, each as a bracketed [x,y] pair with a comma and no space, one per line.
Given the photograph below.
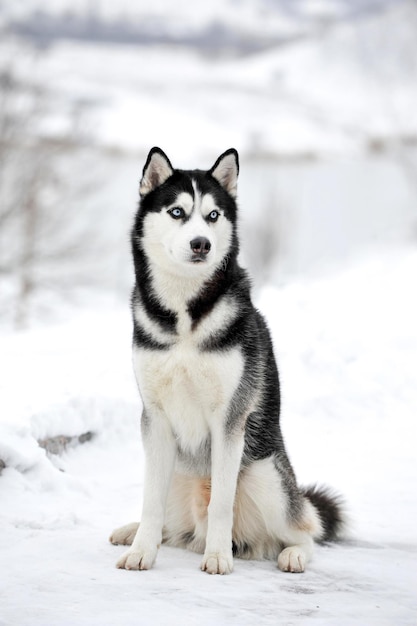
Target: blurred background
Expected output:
[318,96]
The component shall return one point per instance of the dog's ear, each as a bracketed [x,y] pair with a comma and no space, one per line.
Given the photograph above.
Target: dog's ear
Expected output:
[156,171]
[226,170]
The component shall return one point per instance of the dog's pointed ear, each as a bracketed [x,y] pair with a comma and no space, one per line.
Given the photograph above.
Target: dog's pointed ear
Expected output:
[157,170]
[226,170]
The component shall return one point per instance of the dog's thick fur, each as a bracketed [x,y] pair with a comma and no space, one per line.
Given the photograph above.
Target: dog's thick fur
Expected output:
[217,480]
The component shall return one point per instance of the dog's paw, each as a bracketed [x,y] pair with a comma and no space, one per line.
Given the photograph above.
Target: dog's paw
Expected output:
[217,563]
[124,535]
[137,558]
[292,559]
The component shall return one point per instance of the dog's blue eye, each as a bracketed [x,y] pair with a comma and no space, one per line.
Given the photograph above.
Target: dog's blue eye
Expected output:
[213,216]
[177,213]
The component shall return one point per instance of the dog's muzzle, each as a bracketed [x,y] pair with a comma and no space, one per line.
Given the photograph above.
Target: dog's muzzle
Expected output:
[200,247]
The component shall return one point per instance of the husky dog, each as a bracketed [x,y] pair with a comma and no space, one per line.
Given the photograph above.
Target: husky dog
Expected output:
[217,479]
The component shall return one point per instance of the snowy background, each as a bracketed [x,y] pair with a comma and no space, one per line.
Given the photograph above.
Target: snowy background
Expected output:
[320,99]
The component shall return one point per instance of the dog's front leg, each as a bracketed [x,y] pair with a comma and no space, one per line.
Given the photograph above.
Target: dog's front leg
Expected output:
[159,446]
[226,457]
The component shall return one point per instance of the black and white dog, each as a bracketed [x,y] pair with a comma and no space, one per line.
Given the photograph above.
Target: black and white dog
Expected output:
[217,480]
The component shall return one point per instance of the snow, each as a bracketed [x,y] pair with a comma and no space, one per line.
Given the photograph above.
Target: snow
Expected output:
[346,343]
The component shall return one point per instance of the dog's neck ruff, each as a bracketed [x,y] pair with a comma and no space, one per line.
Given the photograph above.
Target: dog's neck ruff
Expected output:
[209,295]
[176,303]
[194,296]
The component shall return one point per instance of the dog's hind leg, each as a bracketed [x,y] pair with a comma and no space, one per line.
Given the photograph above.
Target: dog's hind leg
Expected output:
[299,537]
[321,518]
[124,535]
[294,558]
[265,526]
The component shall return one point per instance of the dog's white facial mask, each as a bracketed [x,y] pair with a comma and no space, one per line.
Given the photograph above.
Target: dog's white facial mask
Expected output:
[190,237]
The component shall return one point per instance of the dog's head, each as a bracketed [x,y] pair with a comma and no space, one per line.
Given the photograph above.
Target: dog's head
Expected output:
[186,219]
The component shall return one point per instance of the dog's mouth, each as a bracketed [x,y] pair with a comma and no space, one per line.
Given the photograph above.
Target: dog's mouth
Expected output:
[198,258]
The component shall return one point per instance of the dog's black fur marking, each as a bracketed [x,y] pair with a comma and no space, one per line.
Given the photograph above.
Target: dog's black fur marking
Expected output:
[144,292]
[142,339]
[214,289]
[330,507]
[240,549]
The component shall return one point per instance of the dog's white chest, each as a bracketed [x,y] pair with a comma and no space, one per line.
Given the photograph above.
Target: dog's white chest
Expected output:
[192,389]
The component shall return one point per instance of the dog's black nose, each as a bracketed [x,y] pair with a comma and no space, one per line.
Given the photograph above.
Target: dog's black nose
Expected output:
[200,245]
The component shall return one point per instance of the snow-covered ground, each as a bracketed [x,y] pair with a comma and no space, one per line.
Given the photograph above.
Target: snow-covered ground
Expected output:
[346,344]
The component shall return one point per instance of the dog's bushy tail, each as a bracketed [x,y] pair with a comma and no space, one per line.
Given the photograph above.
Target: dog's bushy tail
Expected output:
[331,509]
